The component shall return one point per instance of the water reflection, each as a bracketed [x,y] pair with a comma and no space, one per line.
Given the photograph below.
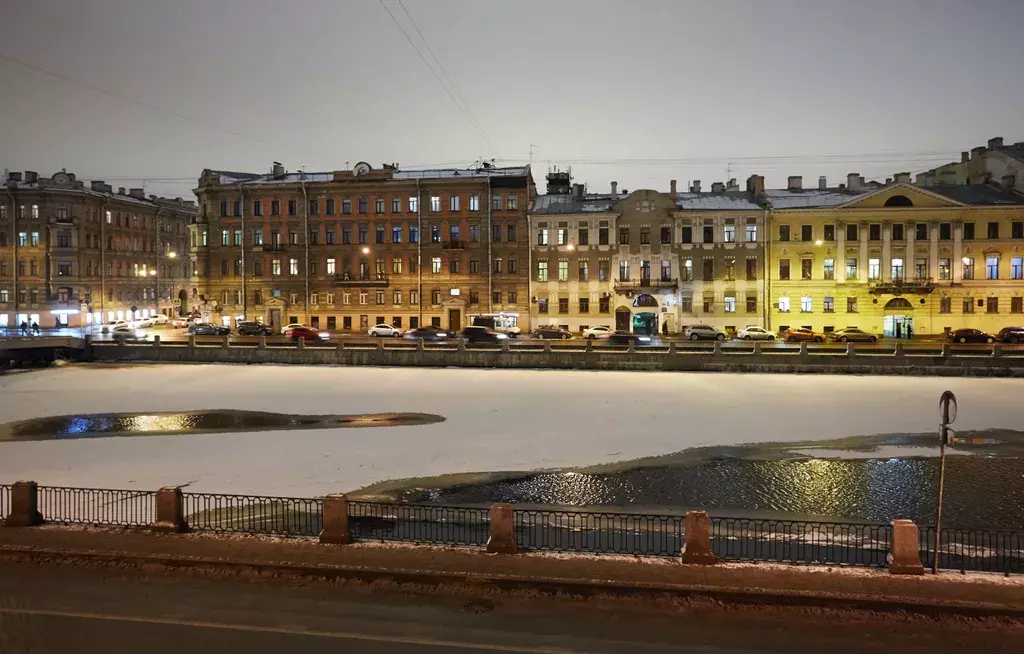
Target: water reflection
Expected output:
[980,491]
[193,422]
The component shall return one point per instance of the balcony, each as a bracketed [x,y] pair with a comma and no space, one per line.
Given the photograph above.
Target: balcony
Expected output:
[273,247]
[903,286]
[644,283]
[379,280]
[453,245]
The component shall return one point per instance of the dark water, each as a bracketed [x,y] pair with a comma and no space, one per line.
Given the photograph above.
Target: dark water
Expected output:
[980,492]
[194,422]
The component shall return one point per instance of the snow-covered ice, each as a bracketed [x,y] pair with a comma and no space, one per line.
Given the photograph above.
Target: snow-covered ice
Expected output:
[496,420]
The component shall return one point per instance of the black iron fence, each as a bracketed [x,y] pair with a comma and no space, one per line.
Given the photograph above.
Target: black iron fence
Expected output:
[798,541]
[599,532]
[97,506]
[537,529]
[979,550]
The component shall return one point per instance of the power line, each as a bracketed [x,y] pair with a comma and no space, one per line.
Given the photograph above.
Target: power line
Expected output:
[426,63]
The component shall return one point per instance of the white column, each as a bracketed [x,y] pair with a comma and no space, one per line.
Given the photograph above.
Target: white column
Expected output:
[887,251]
[933,250]
[862,264]
[957,264]
[909,256]
[841,253]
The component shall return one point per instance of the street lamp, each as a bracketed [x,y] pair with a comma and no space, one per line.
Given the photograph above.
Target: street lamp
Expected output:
[366,250]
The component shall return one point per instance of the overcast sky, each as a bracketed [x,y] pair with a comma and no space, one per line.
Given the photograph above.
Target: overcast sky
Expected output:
[638,91]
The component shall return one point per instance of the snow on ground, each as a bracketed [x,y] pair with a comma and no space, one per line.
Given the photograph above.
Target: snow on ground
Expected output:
[496,420]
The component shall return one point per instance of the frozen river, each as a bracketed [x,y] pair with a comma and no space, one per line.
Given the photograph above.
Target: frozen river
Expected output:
[496,420]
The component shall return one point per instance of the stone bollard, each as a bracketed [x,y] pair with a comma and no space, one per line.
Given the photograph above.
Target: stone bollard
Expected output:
[156,340]
[503,530]
[632,347]
[757,348]
[897,350]
[946,351]
[462,345]
[671,347]
[341,345]
[697,538]
[121,340]
[803,350]
[335,523]
[905,556]
[300,343]
[718,348]
[24,509]
[170,511]
[261,343]
[997,350]
[419,344]
[380,343]
[191,341]
[505,347]
[850,350]
[225,343]
[547,347]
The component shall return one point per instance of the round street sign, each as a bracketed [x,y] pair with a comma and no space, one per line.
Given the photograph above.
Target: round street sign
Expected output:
[947,407]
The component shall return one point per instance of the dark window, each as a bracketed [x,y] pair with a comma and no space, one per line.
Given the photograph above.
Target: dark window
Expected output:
[783,232]
[993,230]
[346,235]
[783,268]
[314,236]
[623,235]
[275,207]
[851,233]
[968,231]
[542,305]
[362,205]
[602,236]
[330,212]
[806,232]
[584,305]
[314,207]
[379,234]
[223,209]
[921,230]
[666,235]
[378,205]
[645,236]
[805,268]
[291,207]
[709,234]
[874,232]
[257,207]
[584,236]
[751,270]
[346,207]
[563,305]
[687,234]
[709,269]
[830,232]
[945,231]
[496,234]
[330,237]
[1017,229]
[604,305]
[363,234]
[511,233]
[752,304]
[897,232]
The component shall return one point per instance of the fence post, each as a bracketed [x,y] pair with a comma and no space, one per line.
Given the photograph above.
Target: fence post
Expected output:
[803,350]
[898,349]
[906,554]
[505,346]
[697,538]
[718,348]
[261,344]
[380,343]
[170,511]
[503,530]
[946,351]
[24,505]
[671,347]
[335,521]
[156,340]
[341,345]
[191,341]
[547,346]
[225,344]
[462,345]
[850,350]
[997,350]
[419,344]
[757,348]
[632,346]
[300,344]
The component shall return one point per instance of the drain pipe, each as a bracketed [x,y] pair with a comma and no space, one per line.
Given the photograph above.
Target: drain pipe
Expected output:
[490,240]
[419,253]
[14,248]
[241,199]
[766,253]
[103,260]
[305,241]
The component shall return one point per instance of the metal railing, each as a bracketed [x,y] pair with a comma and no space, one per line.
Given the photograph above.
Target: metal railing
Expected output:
[976,550]
[97,506]
[252,514]
[797,541]
[5,500]
[419,523]
[599,532]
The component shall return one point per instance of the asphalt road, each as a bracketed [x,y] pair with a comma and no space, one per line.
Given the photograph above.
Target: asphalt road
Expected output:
[49,609]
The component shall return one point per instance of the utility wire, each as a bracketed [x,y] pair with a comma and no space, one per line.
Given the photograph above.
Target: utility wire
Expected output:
[426,63]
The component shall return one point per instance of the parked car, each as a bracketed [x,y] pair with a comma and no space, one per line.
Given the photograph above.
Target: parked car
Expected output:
[291,325]
[115,324]
[252,328]
[303,333]
[127,331]
[208,329]
[552,331]
[180,323]
[384,329]
[970,336]
[596,332]
[144,323]
[480,334]
[802,334]
[621,337]
[160,319]
[428,333]
[704,333]
[754,333]
[852,334]
[1011,335]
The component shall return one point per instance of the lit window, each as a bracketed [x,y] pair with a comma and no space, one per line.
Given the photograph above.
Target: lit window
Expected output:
[730,304]
[897,270]
[784,304]
[435,265]
[435,203]
[730,237]
[563,271]
[992,268]
[542,271]
[874,269]
[805,304]
[330,266]
[275,267]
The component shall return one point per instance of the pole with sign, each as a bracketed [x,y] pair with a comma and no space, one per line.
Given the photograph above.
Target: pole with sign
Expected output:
[947,413]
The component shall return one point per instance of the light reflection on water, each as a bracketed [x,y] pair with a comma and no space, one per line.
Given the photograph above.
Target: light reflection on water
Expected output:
[980,491]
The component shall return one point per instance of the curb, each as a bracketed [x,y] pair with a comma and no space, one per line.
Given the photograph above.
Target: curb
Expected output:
[553,586]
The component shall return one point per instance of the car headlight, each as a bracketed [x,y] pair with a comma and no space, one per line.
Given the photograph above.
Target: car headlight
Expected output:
[644,339]
[140,334]
[324,335]
[501,336]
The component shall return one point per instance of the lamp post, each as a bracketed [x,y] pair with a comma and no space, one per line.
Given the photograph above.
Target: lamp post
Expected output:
[947,413]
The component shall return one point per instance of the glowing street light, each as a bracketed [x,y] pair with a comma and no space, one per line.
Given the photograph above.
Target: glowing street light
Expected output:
[366,250]
[818,242]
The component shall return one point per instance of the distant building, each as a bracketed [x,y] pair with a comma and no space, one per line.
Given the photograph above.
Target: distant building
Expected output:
[994,163]
[74,255]
[348,249]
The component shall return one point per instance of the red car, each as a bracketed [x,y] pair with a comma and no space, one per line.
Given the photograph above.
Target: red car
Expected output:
[802,334]
[306,334]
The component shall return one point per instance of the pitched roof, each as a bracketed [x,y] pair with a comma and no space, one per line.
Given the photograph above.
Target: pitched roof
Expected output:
[235,178]
[978,194]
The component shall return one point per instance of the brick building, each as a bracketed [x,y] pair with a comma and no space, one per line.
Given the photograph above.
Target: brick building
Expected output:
[75,255]
[347,249]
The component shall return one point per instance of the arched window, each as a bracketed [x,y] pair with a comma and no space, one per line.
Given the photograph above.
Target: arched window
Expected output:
[644,300]
[899,304]
[899,201]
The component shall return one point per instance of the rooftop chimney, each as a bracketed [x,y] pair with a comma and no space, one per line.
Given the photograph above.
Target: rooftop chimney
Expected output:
[14,177]
[732,185]
[615,189]
[755,185]
[31,177]
[888,180]
[1007,181]
[853,181]
[993,144]
[965,156]
[794,182]
[98,185]
[929,179]
[822,183]
[717,187]
[695,187]
[120,190]
[278,170]
[672,188]
[139,193]
[978,151]
[903,178]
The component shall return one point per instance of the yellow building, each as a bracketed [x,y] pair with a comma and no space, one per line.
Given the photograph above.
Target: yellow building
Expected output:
[895,260]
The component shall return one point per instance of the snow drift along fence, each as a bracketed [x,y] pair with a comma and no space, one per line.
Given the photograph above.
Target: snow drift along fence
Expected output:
[419,523]
[978,550]
[599,532]
[97,506]
[253,514]
[798,541]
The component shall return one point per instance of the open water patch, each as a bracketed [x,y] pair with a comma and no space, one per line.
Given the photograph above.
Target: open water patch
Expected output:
[164,423]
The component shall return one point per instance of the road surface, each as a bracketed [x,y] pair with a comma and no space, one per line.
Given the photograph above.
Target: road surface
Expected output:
[47,609]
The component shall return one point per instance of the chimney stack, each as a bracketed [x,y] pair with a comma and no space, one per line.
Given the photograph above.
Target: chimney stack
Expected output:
[120,190]
[696,186]
[978,151]
[965,156]
[615,190]
[98,185]
[903,178]
[853,181]
[996,143]
[755,185]
[929,179]
[278,170]
[717,187]
[795,182]
[137,193]
[672,188]
[31,177]
[732,185]
[822,183]
[14,176]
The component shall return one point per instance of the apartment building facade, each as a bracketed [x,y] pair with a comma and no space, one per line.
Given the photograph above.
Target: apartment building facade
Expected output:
[348,249]
[73,255]
[647,261]
[897,260]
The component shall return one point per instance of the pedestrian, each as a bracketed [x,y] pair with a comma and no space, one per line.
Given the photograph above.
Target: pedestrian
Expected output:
[35,328]
[24,328]
[910,332]
[898,331]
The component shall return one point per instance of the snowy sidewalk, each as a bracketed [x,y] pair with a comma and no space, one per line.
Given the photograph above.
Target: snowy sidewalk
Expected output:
[770,580]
